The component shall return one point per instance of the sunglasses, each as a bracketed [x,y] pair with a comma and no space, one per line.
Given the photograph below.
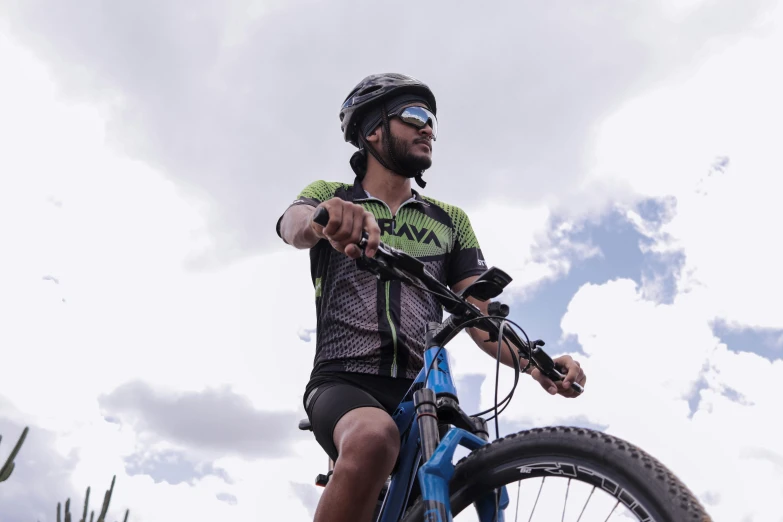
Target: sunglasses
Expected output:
[418,117]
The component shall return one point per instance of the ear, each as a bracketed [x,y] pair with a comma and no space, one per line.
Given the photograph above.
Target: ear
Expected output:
[376,136]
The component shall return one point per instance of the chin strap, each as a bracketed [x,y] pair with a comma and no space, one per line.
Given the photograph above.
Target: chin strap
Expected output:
[368,148]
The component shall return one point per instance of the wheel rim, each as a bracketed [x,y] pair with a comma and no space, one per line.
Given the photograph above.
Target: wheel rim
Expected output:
[557,489]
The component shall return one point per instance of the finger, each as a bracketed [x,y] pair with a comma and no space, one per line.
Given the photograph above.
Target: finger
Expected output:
[343,234]
[358,224]
[374,233]
[579,372]
[572,370]
[353,251]
[571,392]
[544,381]
[335,220]
[568,393]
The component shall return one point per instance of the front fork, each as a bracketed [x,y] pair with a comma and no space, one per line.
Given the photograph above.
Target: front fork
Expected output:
[438,468]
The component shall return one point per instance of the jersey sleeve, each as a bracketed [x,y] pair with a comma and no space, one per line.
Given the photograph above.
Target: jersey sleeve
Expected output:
[312,195]
[466,258]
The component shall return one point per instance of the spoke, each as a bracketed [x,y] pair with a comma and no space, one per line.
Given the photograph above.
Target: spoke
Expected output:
[585,506]
[612,512]
[519,485]
[536,502]
[565,502]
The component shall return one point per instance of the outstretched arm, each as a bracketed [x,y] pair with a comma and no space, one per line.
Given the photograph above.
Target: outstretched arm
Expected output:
[481,338]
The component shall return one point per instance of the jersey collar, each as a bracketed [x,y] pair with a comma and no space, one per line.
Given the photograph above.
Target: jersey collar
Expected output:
[359,194]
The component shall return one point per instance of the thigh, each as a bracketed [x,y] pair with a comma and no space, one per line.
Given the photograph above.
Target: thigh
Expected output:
[328,404]
[388,391]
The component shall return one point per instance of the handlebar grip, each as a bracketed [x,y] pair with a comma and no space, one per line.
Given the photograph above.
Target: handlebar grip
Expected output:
[321,216]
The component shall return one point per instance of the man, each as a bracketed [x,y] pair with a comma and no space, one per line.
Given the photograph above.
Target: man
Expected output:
[370,333]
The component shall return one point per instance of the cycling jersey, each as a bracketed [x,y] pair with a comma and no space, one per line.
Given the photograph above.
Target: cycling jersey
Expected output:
[368,326]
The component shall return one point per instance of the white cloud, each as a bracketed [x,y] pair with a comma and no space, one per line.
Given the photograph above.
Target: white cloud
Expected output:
[645,359]
[121,240]
[527,244]
[192,93]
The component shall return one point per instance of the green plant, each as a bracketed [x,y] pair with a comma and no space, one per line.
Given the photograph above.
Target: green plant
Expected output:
[101,515]
[9,465]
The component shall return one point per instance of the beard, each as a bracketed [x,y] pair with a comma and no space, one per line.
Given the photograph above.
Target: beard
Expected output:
[410,164]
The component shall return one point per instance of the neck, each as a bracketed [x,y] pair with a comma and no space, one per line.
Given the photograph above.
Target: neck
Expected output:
[385,185]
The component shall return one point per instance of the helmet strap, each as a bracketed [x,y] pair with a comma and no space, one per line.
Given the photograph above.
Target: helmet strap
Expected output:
[358,162]
[387,142]
[374,153]
[390,152]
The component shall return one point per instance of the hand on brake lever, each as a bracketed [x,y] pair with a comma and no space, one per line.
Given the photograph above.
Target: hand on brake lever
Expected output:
[574,373]
[342,224]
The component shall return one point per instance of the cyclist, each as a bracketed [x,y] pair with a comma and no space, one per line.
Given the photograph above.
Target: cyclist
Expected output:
[370,333]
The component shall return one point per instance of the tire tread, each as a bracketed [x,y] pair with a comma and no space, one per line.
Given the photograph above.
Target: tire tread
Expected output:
[650,473]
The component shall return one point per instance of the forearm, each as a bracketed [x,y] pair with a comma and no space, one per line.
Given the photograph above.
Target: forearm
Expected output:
[295,227]
[481,337]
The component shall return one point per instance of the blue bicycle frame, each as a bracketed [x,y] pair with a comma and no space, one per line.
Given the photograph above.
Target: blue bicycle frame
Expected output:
[434,474]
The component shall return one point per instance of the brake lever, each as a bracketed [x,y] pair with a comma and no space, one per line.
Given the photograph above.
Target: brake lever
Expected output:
[545,363]
[548,367]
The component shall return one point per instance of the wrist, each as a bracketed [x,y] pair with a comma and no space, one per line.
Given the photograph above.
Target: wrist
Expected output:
[311,230]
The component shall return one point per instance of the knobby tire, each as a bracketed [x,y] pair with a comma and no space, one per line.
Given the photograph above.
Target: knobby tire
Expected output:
[609,463]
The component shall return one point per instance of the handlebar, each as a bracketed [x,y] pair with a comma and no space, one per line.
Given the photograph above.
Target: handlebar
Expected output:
[390,263]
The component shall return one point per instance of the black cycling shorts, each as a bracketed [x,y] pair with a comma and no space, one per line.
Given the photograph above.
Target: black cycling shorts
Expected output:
[329,396]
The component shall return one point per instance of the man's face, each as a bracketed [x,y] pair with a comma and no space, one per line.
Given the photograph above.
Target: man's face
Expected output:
[412,147]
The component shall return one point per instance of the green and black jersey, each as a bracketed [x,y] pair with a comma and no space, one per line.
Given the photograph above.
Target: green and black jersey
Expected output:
[368,326]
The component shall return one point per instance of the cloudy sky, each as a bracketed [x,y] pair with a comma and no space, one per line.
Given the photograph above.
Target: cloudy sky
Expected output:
[619,159]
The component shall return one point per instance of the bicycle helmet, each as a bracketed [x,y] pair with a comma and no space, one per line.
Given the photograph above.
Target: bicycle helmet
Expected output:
[376,89]
[371,96]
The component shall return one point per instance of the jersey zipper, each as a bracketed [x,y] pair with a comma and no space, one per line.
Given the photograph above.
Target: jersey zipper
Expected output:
[388,304]
[393,216]
[388,283]
[393,330]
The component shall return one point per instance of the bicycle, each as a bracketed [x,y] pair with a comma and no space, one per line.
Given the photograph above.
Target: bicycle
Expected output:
[425,485]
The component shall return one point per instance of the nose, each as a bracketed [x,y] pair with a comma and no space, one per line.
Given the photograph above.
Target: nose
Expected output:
[427,131]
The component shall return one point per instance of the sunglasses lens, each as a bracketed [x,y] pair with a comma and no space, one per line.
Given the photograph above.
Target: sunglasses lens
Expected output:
[419,117]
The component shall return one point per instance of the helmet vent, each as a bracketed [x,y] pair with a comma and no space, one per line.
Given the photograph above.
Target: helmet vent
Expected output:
[370,90]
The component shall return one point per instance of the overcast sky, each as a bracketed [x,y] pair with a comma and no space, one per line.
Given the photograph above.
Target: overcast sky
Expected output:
[618,159]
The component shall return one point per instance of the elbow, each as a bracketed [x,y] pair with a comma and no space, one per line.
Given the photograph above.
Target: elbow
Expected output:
[293,230]
[285,231]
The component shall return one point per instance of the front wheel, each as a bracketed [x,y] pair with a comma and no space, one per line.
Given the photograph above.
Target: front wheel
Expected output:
[563,473]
